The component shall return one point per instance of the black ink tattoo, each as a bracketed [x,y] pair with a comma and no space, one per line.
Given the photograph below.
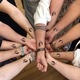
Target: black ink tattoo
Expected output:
[59,55]
[16,52]
[25,60]
[54,13]
[55,29]
[30,29]
[61,41]
[40,43]
[23,39]
[13,45]
[53,63]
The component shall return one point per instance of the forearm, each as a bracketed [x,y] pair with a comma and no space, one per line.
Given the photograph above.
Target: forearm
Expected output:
[71,35]
[8,33]
[11,70]
[65,69]
[63,55]
[6,45]
[5,55]
[55,8]
[72,14]
[17,16]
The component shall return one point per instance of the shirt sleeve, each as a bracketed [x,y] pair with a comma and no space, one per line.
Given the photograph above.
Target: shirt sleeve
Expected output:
[1,41]
[42,14]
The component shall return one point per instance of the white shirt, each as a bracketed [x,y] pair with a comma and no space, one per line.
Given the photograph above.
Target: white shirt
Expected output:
[42,14]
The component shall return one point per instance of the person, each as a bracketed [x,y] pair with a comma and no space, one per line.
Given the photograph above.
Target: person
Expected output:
[41,20]
[10,70]
[65,69]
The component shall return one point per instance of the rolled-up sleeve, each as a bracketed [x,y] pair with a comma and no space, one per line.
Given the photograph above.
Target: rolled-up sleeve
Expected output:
[42,14]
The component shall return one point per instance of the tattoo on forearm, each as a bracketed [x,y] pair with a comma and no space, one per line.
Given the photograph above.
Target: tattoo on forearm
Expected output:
[53,63]
[30,29]
[61,41]
[16,52]
[55,29]
[58,54]
[23,39]
[13,45]
[54,13]
[25,60]
[40,43]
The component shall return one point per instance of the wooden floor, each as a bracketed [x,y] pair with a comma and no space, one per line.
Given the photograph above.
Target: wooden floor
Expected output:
[31,73]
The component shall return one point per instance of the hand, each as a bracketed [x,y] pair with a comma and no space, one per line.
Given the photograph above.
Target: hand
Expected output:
[41,61]
[48,47]
[31,43]
[48,57]
[49,37]
[27,50]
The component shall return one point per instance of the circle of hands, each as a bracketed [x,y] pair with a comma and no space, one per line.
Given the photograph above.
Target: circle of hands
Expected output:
[42,57]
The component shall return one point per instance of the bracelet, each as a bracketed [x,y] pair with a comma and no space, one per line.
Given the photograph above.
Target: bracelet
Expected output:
[40,49]
[22,51]
[41,27]
[54,47]
[33,56]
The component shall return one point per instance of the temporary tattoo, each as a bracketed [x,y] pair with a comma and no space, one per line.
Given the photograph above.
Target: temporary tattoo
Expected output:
[25,60]
[13,45]
[23,39]
[61,41]
[53,63]
[54,13]
[40,43]
[30,29]
[16,52]
[58,54]
[55,29]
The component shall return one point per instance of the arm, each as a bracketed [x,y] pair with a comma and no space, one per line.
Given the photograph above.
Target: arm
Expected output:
[17,16]
[55,8]
[65,69]
[72,14]
[8,33]
[9,71]
[41,17]
[72,34]
[5,55]
[6,45]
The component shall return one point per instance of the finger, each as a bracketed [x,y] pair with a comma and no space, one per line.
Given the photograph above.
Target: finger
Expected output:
[40,66]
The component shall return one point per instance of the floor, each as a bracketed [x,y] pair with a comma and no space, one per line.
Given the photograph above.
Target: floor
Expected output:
[31,73]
